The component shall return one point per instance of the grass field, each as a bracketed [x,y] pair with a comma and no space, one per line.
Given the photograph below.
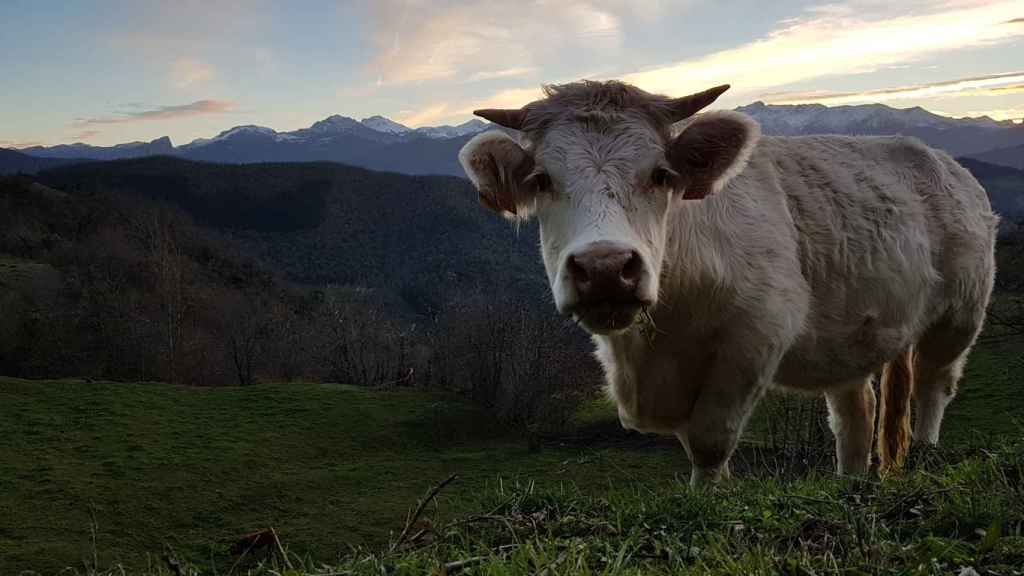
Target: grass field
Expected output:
[328,466]
[108,474]
[954,510]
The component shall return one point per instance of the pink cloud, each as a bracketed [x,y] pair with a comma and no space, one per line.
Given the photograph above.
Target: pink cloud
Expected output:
[197,108]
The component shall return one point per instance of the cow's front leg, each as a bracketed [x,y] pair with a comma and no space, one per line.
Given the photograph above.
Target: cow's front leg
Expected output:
[724,402]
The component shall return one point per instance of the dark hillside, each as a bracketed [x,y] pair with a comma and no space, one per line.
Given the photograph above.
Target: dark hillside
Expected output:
[15,162]
[1005,187]
[1012,156]
[120,287]
[208,274]
[422,237]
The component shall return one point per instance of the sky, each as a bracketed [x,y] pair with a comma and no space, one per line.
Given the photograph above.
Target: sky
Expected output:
[110,71]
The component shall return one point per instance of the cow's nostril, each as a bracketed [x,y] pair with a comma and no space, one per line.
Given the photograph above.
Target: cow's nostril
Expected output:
[632,269]
[577,271]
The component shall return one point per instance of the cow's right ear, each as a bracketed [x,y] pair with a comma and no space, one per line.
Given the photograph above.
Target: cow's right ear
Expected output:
[502,172]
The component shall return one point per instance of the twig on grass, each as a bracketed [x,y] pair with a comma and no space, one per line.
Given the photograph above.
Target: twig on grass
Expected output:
[93,528]
[457,565]
[280,548]
[419,510]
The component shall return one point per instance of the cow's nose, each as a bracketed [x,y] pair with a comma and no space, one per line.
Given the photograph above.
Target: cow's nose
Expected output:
[605,273]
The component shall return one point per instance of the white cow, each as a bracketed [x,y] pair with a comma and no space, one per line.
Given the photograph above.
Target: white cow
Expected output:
[710,262]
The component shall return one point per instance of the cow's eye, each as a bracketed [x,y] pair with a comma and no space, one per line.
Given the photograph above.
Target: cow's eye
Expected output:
[660,177]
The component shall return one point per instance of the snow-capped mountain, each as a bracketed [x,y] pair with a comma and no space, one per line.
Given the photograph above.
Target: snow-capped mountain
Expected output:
[375,129]
[959,136]
[381,143]
[466,128]
[375,142]
[382,124]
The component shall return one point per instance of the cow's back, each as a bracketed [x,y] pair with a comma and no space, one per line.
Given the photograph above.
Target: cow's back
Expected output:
[890,233]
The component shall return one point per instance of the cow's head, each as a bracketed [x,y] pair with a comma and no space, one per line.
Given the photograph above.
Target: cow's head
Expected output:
[599,165]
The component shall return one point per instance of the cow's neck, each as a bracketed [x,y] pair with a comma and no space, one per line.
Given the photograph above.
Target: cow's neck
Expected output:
[655,370]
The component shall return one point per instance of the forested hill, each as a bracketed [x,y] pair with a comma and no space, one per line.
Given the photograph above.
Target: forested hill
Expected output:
[420,239]
[167,269]
[416,239]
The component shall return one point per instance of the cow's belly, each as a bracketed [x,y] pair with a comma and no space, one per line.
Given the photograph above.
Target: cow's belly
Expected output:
[848,340]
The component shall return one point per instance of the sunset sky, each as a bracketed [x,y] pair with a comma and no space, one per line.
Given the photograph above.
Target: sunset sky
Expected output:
[104,72]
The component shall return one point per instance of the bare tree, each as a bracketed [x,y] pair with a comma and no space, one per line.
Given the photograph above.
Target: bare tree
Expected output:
[364,346]
[528,368]
[172,286]
[245,334]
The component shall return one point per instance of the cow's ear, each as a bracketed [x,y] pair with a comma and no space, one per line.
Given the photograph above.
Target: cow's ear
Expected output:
[711,150]
[502,172]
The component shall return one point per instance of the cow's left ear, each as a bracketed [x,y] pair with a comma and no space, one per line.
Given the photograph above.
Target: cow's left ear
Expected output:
[711,150]
[502,171]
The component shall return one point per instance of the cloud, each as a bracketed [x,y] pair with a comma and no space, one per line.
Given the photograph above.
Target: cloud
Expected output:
[858,36]
[512,98]
[506,73]
[1016,21]
[433,113]
[840,40]
[197,108]
[18,144]
[85,135]
[421,41]
[186,72]
[1001,90]
[425,117]
[994,84]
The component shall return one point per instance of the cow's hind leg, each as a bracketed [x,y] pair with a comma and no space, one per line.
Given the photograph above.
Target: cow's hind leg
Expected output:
[851,410]
[941,355]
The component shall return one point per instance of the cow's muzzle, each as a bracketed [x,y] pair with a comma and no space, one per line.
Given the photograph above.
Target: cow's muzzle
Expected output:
[607,279]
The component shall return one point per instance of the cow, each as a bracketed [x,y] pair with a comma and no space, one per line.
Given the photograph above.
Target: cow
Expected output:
[709,263]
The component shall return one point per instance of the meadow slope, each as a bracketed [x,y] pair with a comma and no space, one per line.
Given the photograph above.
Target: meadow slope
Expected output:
[107,474]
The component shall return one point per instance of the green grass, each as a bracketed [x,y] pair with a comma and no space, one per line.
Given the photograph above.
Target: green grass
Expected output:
[115,474]
[328,466]
[990,401]
[954,510]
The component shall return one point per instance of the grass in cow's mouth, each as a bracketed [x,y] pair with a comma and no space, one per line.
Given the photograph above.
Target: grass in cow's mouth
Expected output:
[648,328]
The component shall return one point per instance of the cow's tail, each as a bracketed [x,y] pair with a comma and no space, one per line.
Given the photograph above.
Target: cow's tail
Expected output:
[894,411]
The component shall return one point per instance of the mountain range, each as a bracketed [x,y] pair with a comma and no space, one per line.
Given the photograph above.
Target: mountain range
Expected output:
[380,143]
[958,136]
[375,142]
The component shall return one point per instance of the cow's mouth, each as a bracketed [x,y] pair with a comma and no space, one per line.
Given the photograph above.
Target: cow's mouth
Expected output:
[608,317]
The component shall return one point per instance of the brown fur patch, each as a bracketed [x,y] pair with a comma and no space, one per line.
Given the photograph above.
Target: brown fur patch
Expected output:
[894,411]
